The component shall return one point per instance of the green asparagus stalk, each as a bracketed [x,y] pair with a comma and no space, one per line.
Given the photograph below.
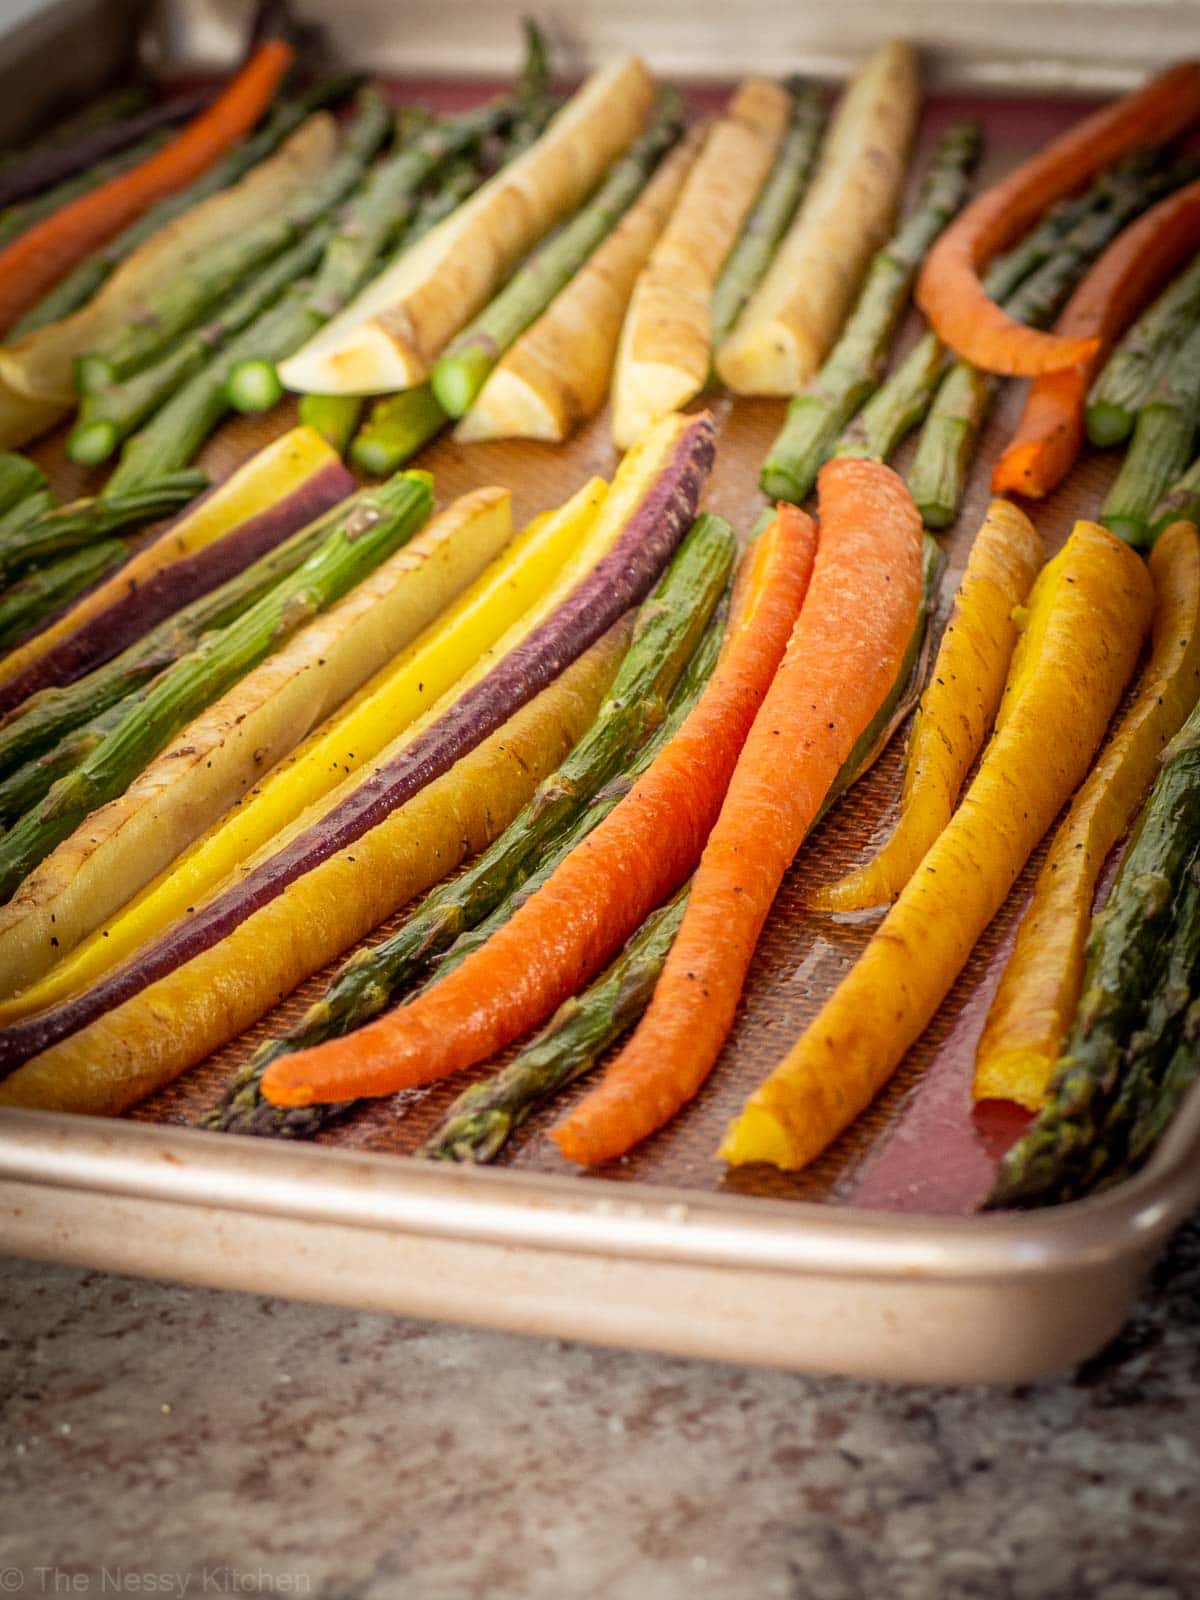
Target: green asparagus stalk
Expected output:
[1178,1080]
[65,528]
[481,1121]
[1140,358]
[1181,503]
[377,524]
[1163,440]
[21,790]
[1130,943]
[38,596]
[51,713]
[189,297]
[115,106]
[777,203]
[464,367]
[334,416]
[896,408]
[112,409]
[669,626]
[22,215]
[399,426]
[79,285]
[19,478]
[938,473]
[854,367]
[1151,1047]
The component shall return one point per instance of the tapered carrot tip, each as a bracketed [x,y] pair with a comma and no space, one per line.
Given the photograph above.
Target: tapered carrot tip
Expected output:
[281,1091]
[758,1135]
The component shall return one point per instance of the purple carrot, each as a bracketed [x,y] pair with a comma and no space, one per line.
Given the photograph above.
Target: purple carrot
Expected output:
[621,579]
[135,611]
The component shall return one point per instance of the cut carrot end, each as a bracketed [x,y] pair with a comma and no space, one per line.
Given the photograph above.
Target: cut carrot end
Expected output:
[757,1135]
[1017,472]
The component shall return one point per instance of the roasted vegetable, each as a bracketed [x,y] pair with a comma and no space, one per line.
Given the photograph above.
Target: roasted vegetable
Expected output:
[283,487]
[374,524]
[1162,446]
[576,922]
[390,336]
[665,353]
[957,709]
[1181,503]
[465,365]
[193,1010]
[1148,909]
[852,371]
[45,590]
[1088,615]
[1049,436]
[632,713]
[790,324]
[557,374]
[1033,1006]
[31,263]
[652,503]
[828,690]
[1129,376]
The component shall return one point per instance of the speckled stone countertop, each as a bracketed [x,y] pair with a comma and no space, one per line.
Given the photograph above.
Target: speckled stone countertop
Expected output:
[158,1439]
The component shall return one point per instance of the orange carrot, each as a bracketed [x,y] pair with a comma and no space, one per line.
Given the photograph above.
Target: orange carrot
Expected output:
[602,891]
[1135,266]
[841,661]
[949,290]
[35,261]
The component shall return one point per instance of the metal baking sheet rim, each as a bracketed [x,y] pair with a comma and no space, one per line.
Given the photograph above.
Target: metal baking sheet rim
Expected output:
[995,1299]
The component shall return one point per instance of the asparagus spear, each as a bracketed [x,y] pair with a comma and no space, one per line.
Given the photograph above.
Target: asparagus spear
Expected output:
[376,525]
[853,369]
[335,417]
[18,218]
[16,160]
[111,410]
[1130,943]
[82,283]
[1161,448]
[1181,503]
[399,426]
[1151,1047]
[481,1120]
[180,304]
[65,528]
[669,626]
[42,593]
[45,717]
[1138,361]
[21,790]
[777,203]
[900,403]
[464,367]
[938,472]
[19,478]
[1178,1080]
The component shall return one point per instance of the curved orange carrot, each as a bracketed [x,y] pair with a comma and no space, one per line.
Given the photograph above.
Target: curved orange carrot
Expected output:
[1135,266]
[949,290]
[35,261]
[635,858]
[841,661]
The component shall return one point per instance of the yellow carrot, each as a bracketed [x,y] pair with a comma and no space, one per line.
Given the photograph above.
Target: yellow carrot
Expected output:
[1089,613]
[956,710]
[134,1049]
[1039,990]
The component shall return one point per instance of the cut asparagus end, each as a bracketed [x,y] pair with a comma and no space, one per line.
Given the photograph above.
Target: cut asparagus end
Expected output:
[457,379]
[254,386]
[93,373]
[1108,424]
[90,443]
